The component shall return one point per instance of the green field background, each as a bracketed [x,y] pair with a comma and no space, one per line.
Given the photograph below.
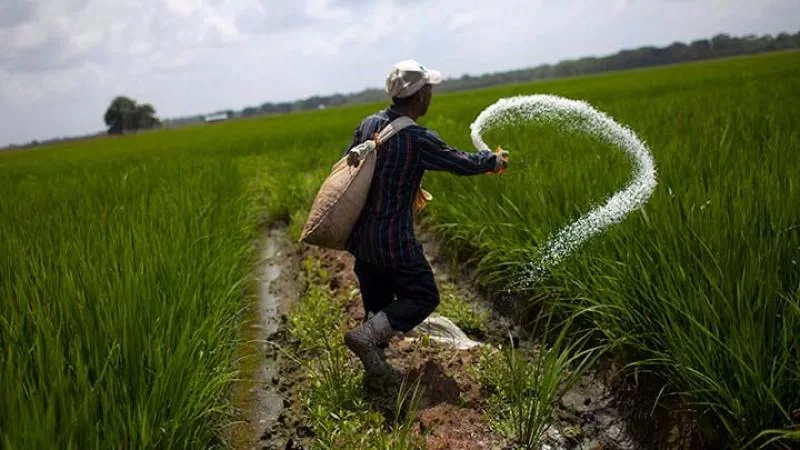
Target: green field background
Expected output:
[123,260]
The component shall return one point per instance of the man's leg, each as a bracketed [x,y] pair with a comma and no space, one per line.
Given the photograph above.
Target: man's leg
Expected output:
[376,290]
[417,296]
[368,340]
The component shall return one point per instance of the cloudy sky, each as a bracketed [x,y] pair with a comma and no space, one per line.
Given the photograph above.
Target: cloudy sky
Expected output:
[62,61]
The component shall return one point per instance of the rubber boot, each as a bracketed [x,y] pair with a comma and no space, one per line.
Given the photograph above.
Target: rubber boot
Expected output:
[365,341]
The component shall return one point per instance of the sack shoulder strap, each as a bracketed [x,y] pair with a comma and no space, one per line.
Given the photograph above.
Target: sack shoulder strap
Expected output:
[365,148]
[393,128]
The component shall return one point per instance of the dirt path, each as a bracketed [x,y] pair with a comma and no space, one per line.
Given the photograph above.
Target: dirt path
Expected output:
[451,413]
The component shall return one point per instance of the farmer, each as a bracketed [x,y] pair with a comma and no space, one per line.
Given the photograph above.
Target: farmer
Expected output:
[397,284]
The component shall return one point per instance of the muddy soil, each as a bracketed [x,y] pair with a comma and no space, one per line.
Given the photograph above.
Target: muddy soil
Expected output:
[593,415]
[450,408]
[256,398]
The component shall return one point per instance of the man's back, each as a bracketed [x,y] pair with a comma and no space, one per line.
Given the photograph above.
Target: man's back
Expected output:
[384,234]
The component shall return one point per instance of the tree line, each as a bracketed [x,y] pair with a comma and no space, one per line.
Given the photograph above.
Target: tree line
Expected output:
[719,46]
[126,115]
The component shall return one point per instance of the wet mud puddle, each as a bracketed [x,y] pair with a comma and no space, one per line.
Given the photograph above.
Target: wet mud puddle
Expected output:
[255,395]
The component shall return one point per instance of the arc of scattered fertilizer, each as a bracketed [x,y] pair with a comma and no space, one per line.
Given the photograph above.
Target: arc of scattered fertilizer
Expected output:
[577,116]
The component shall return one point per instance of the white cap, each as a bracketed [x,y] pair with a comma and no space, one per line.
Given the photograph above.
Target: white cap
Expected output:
[409,76]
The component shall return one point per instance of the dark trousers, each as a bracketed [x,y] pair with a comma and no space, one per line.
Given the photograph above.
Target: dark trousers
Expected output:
[407,295]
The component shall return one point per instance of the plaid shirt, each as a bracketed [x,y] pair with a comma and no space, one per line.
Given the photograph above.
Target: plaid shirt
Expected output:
[384,234]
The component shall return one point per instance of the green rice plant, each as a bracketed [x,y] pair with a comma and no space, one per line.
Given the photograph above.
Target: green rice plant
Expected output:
[120,286]
[315,320]
[526,387]
[455,307]
[336,406]
[785,439]
[402,434]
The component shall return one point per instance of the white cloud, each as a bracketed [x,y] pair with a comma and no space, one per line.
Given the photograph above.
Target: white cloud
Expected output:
[183,8]
[26,36]
[70,57]
[462,20]
[326,10]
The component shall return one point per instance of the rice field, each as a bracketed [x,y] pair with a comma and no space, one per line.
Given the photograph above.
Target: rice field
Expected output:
[123,261]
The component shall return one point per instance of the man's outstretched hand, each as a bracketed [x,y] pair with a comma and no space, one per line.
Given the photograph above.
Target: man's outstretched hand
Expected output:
[501,162]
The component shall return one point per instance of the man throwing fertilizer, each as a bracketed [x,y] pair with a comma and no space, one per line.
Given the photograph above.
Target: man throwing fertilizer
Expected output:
[396,281]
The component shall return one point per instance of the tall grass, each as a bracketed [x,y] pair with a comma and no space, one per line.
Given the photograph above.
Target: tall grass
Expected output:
[703,284]
[526,386]
[120,290]
[122,260]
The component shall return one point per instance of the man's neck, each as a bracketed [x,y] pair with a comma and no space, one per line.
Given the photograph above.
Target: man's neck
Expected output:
[404,111]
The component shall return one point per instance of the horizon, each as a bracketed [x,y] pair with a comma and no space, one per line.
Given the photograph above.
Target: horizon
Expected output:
[53,80]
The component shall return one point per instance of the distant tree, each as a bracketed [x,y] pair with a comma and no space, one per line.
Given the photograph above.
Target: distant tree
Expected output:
[124,115]
[144,117]
[723,44]
[678,51]
[250,111]
[700,49]
[118,114]
[784,40]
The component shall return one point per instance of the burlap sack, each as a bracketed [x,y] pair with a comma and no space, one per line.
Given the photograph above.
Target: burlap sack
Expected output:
[341,198]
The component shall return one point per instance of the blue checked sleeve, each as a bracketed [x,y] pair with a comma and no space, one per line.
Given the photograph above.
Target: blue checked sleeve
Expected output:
[437,155]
